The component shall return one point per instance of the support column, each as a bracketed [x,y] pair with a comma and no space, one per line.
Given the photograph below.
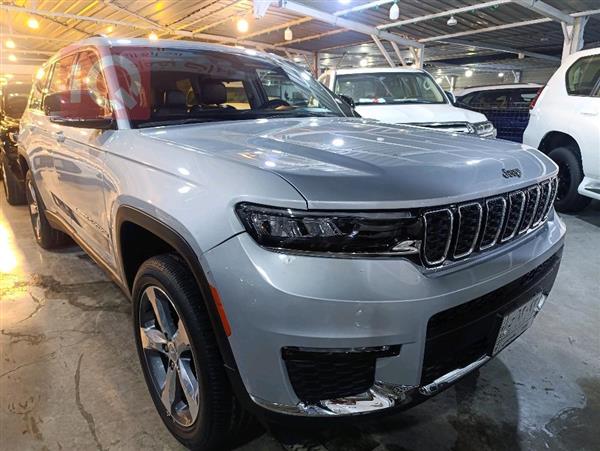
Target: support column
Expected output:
[383,51]
[573,35]
[517,75]
[398,54]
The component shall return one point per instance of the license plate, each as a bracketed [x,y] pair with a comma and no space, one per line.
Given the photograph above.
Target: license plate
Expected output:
[516,322]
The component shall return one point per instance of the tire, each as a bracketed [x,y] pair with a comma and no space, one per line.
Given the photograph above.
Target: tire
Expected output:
[570,175]
[46,236]
[164,284]
[14,190]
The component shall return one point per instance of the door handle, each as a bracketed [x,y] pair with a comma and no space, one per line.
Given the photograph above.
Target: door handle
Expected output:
[59,136]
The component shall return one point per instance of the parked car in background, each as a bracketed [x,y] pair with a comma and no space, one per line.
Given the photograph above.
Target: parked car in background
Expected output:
[282,257]
[565,124]
[506,106]
[13,100]
[405,96]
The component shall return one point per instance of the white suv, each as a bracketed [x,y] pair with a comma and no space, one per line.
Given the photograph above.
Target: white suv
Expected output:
[565,125]
[405,96]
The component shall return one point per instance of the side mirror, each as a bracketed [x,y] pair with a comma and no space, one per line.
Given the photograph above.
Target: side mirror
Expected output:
[451,97]
[349,100]
[77,109]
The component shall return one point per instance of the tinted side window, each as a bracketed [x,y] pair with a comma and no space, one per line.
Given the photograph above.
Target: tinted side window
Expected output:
[523,96]
[62,75]
[493,99]
[88,76]
[583,76]
[39,88]
[468,99]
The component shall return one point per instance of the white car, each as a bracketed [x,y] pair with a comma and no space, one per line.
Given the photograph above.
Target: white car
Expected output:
[565,125]
[405,96]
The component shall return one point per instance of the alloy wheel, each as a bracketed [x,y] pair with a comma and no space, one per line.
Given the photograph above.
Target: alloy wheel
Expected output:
[34,210]
[168,356]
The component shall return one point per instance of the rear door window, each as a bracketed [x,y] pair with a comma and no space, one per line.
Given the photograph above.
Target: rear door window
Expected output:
[62,75]
[583,76]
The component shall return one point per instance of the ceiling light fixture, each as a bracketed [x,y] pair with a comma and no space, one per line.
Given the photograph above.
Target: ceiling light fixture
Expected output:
[12,58]
[500,74]
[153,36]
[33,23]
[10,44]
[452,21]
[468,73]
[363,62]
[242,26]
[110,29]
[394,11]
[288,35]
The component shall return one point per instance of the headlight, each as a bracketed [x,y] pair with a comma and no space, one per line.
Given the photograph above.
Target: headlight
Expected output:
[324,232]
[484,129]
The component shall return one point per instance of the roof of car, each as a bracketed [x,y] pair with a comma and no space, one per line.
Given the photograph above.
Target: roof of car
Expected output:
[465,91]
[376,70]
[104,41]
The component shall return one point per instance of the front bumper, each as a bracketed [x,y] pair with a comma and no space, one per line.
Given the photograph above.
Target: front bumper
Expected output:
[275,301]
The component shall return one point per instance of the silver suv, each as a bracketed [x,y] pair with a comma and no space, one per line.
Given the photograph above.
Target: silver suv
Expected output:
[282,258]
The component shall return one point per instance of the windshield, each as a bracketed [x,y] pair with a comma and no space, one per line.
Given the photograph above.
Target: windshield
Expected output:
[14,100]
[175,86]
[389,88]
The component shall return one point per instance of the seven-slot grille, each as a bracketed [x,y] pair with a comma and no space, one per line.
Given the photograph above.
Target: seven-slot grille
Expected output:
[455,232]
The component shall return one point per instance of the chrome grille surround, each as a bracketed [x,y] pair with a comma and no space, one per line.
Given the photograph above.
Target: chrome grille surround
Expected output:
[495,219]
[426,220]
[479,208]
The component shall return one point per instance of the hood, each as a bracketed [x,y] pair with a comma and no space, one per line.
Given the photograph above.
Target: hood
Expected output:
[419,113]
[352,163]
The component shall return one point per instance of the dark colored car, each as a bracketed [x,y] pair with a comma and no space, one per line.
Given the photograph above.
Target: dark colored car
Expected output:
[507,107]
[13,101]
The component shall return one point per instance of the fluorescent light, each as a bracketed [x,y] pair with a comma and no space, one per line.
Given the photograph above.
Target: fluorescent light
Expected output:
[394,11]
[500,74]
[153,36]
[363,62]
[12,58]
[287,34]
[242,25]
[33,23]
[468,73]
[10,44]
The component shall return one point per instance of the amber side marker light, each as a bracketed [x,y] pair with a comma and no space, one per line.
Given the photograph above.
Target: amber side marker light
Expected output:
[221,310]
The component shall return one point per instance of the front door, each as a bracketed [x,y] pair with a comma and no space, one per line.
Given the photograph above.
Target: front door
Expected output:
[79,164]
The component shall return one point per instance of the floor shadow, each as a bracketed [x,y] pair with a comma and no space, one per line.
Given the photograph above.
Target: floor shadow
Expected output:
[591,214]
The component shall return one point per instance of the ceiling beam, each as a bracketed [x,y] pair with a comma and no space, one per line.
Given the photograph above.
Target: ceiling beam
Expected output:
[486,30]
[312,37]
[450,12]
[291,23]
[546,10]
[503,49]
[590,12]
[362,7]
[349,24]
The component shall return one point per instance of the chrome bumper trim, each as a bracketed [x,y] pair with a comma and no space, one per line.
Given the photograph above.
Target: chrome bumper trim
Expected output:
[381,396]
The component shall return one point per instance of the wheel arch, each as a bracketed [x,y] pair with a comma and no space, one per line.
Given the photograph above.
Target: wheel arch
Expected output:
[132,222]
[555,139]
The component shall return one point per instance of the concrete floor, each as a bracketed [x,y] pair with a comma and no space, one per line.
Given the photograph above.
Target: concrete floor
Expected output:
[69,375]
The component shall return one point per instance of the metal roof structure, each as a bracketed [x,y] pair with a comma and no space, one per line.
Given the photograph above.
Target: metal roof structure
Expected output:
[486,33]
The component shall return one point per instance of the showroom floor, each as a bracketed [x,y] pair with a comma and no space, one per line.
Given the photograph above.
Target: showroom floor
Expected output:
[69,376]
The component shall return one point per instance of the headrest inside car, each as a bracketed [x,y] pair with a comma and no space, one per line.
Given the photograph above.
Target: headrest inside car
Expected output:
[213,93]
[173,97]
